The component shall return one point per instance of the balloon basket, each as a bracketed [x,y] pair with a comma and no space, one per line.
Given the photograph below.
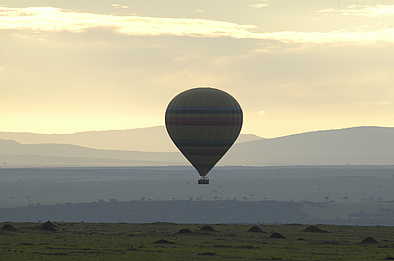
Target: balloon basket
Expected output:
[203,181]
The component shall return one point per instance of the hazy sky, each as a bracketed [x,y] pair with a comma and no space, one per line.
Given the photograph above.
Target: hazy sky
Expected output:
[68,65]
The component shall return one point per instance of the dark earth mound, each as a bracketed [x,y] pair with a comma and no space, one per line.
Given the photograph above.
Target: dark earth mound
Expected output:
[185,231]
[206,254]
[207,229]
[164,242]
[48,226]
[256,229]
[314,229]
[162,223]
[277,236]
[111,241]
[369,240]
[9,228]
[330,242]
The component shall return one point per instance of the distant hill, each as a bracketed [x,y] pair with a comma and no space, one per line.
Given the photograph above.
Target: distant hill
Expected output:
[355,146]
[13,154]
[134,139]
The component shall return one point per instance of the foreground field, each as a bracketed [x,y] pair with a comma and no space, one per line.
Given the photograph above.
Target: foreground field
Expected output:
[162,241]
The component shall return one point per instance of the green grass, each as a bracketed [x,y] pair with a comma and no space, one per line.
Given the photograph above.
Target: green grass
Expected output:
[120,242]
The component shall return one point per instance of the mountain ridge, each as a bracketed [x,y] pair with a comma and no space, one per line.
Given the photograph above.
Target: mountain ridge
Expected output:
[363,145]
[129,139]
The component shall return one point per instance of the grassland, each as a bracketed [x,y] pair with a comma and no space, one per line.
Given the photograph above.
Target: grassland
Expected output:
[118,242]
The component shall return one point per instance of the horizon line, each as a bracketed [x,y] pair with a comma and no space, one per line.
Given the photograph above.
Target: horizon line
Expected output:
[162,126]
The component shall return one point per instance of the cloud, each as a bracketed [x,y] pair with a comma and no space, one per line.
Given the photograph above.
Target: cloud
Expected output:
[260,4]
[56,20]
[119,6]
[51,19]
[360,10]
[376,103]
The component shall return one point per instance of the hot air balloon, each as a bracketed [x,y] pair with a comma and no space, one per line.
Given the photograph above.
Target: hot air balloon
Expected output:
[204,123]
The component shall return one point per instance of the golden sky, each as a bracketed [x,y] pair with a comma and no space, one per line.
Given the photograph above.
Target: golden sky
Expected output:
[295,66]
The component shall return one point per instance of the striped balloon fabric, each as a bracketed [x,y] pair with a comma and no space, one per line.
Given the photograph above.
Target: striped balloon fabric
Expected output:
[204,123]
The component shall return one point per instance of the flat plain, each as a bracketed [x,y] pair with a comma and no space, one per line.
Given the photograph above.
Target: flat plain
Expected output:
[163,241]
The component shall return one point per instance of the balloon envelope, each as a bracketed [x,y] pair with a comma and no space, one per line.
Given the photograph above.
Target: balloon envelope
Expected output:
[204,123]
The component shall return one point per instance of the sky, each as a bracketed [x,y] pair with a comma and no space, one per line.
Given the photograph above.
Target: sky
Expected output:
[294,66]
